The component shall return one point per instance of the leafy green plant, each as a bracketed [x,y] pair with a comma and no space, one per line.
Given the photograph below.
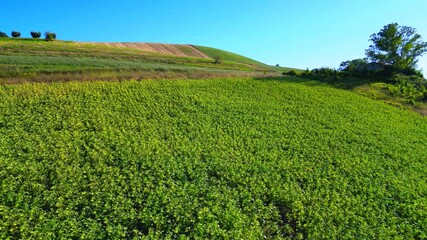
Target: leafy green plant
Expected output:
[208,159]
[412,88]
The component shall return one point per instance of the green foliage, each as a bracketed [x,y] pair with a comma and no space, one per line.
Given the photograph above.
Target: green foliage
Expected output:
[49,36]
[399,46]
[218,59]
[214,159]
[35,34]
[291,73]
[324,71]
[3,35]
[15,34]
[412,88]
[356,68]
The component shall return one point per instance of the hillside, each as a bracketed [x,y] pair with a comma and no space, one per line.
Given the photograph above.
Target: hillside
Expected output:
[229,56]
[180,50]
[23,60]
[199,149]
[210,159]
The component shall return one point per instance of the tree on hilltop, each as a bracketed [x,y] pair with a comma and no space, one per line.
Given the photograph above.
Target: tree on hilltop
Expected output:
[2,34]
[35,34]
[398,46]
[50,36]
[16,34]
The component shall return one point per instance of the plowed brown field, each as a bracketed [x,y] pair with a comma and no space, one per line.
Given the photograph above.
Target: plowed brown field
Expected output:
[182,50]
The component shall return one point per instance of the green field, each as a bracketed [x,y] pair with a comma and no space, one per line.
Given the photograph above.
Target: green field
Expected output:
[220,158]
[28,58]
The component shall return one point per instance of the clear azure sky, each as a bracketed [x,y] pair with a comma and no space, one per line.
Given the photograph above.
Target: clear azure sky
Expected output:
[292,33]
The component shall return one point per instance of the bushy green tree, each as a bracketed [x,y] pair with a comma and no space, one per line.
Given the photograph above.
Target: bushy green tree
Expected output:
[398,46]
[356,65]
[16,34]
[35,34]
[50,36]
[2,34]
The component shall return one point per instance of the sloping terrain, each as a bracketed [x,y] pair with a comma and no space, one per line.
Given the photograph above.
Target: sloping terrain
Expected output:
[208,159]
[224,158]
[23,60]
[181,50]
[229,56]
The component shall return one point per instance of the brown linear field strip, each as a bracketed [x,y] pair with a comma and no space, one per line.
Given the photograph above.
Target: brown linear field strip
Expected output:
[181,50]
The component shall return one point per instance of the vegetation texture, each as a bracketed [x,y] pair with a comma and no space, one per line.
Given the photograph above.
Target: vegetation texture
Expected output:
[236,159]
[399,46]
[34,60]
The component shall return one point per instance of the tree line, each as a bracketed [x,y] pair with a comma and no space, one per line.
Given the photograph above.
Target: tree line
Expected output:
[48,36]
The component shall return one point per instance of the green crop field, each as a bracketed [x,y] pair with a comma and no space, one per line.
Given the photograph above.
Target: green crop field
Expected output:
[210,159]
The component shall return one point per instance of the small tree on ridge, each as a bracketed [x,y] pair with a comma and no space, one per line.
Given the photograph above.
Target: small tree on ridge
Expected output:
[35,34]
[16,34]
[49,36]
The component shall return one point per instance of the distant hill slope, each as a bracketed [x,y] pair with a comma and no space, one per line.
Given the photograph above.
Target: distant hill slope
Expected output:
[24,60]
[229,56]
[184,50]
[181,50]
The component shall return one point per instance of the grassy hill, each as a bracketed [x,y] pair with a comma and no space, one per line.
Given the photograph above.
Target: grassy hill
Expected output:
[229,56]
[24,60]
[230,158]
[232,57]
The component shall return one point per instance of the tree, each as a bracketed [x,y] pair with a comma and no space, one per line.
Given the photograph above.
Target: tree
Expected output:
[35,34]
[398,46]
[49,36]
[2,34]
[218,59]
[356,65]
[16,34]
[355,68]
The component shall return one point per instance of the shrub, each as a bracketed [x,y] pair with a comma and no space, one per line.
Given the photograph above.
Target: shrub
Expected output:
[50,36]
[412,88]
[324,71]
[290,73]
[16,34]
[218,59]
[2,34]
[355,68]
[35,34]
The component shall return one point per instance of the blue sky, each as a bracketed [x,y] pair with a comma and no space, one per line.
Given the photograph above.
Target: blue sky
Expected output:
[293,33]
